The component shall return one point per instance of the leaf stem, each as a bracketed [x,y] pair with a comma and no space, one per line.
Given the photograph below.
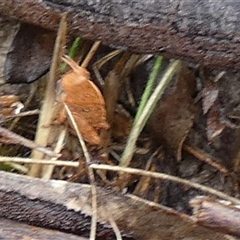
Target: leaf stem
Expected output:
[149,87]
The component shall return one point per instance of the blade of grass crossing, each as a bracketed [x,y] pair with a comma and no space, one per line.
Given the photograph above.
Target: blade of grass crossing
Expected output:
[146,112]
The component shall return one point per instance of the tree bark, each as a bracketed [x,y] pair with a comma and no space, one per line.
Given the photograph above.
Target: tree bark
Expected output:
[13,230]
[221,215]
[67,207]
[207,32]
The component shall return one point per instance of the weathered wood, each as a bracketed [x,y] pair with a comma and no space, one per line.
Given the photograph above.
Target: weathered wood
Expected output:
[67,207]
[13,230]
[207,32]
[8,31]
[220,215]
[25,51]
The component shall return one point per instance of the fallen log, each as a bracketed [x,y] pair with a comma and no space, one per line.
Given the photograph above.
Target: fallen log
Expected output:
[206,32]
[13,230]
[66,207]
[221,215]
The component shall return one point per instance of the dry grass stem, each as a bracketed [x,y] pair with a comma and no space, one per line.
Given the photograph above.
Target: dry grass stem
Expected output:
[90,54]
[39,161]
[47,111]
[142,119]
[205,158]
[113,83]
[23,114]
[114,226]
[166,177]
[90,174]
[17,139]
[47,172]
[99,64]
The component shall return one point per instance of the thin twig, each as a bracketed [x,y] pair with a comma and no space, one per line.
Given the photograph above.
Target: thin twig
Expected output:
[166,177]
[16,166]
[140,123]
[17,139]
[90,54]
[39,161]
[99,64]
[23,114]
[114,226]
[126,170]
[90,175]
[47,173]
[205,158]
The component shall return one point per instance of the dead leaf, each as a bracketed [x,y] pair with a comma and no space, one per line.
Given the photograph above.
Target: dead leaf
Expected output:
[209,95]
[173,118]
[212,109]
[121,125]
[215,125]
[85,101]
